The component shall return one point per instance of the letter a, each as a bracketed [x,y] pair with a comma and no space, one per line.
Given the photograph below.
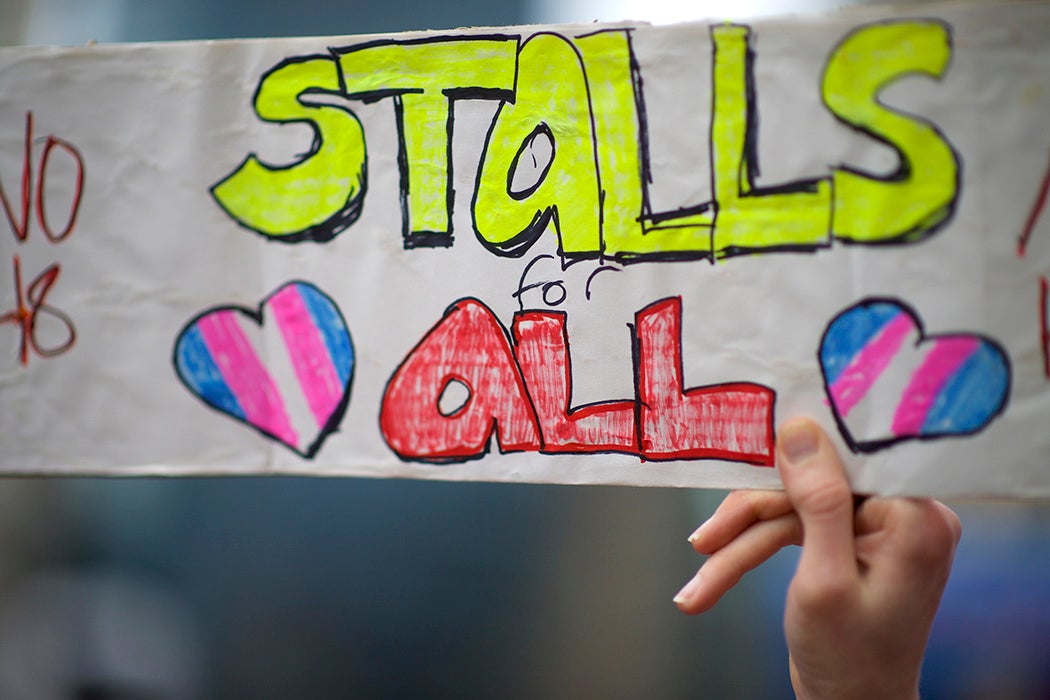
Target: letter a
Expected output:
[467,347]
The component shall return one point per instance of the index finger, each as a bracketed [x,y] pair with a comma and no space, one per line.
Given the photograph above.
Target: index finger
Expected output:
[816,484]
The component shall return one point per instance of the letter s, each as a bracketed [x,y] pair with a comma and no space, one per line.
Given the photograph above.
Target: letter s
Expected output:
[920,196]
[319,195]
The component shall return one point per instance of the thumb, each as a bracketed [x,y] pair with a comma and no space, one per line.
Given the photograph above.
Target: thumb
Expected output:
[816,485]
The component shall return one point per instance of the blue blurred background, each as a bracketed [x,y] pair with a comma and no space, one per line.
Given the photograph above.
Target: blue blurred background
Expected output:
[352,588]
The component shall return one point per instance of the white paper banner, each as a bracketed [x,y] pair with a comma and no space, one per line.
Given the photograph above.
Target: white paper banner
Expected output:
[584,254]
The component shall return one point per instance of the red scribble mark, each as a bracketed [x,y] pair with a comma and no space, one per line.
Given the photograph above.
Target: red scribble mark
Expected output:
[33,198]
[30,304]
[78,189]
[1044,322]
[1044,283]
[522,394]
[21,228]
[1033,216]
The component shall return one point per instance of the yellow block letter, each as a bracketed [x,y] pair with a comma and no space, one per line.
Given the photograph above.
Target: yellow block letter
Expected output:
[611,75]
[539,162]
[920,196]
[424,76]
[750,219]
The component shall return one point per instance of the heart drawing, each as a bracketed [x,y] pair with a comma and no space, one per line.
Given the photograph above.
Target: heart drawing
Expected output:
[284,369]
[888,381]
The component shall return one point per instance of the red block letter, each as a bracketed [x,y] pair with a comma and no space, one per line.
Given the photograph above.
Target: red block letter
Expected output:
[728,421]
[542,346]
[470,347]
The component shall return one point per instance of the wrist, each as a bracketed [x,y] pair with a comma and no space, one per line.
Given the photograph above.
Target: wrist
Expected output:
[859,694]
[854,688]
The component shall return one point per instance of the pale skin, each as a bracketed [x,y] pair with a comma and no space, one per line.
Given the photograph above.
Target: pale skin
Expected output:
[869,580]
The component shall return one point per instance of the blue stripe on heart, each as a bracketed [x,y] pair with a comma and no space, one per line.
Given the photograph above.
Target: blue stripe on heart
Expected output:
[200,373]
[327,320]
[888,381]
[969,399]
[852,333]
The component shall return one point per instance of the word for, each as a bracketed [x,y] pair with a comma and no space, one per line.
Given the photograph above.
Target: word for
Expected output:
[31,301]
[518,388]
[568,147]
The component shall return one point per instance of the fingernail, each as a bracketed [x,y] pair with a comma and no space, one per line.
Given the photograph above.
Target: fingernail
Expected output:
[696,535]
[798,441]
[688,590]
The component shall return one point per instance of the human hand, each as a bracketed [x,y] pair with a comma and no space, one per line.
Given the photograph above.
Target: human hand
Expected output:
[869,580]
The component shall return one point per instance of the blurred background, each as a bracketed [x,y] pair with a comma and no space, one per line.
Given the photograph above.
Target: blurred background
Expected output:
[352,588]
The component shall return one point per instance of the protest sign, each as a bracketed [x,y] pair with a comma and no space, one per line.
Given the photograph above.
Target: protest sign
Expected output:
[574,254]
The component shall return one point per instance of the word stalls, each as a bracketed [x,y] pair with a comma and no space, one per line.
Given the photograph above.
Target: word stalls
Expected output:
[518,387]
[31,298]
[568,147]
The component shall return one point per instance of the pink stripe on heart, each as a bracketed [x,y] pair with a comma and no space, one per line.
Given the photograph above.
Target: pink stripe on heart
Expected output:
[940,364]
[308,353]
[869,364]
[245,375]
